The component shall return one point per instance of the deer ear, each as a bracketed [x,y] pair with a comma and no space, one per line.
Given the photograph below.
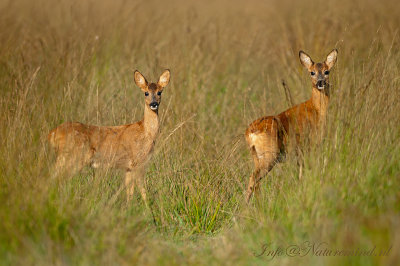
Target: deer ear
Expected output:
[331,58]
[305,60]
[164,78]
[140,80]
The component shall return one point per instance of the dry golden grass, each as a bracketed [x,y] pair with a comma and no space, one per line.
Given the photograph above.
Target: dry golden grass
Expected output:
[74,61]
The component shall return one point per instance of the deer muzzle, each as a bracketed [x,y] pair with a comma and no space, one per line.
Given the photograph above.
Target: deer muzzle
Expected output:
[154,106]
[321,84]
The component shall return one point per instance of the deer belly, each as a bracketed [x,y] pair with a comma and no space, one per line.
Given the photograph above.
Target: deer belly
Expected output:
[110,155]
[124,157]
[110,160]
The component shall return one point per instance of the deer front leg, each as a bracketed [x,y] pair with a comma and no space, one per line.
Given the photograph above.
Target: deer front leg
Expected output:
[141,182]
[129,184]
[132,178]
[300,162]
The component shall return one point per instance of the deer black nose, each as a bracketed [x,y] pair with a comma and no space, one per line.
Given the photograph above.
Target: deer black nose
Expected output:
[154,105]
[321,83]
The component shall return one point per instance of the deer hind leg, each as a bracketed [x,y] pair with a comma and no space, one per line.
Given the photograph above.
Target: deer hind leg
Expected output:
[66,166]
[265,167]
[262,167]
[265,155]
[71,162]
[59,167]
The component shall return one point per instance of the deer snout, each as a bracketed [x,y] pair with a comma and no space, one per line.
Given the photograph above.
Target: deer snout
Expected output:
[154,105]
[321,84]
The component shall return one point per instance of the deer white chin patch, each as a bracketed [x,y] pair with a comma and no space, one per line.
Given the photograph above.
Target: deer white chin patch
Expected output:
[153,108]
[321,88]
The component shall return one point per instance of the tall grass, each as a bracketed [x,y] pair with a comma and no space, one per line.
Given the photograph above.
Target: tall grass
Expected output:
[74,61]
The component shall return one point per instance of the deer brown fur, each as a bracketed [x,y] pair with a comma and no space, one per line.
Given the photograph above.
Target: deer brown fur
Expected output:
[127,147]
[268,137]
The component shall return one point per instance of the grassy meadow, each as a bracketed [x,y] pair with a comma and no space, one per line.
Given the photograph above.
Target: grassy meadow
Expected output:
[74,60]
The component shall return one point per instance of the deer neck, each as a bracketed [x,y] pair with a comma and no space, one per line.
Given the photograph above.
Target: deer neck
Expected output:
[320,100]
[150,121]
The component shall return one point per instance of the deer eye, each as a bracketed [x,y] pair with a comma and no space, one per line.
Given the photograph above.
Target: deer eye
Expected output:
[312,73]
[146,94]
[159,93]
[326,72]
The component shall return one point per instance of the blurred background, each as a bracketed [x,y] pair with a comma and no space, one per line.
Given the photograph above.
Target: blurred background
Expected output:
[74,61]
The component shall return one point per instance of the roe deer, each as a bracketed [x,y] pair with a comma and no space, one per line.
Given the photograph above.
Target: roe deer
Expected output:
[127,147]
[268,137]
